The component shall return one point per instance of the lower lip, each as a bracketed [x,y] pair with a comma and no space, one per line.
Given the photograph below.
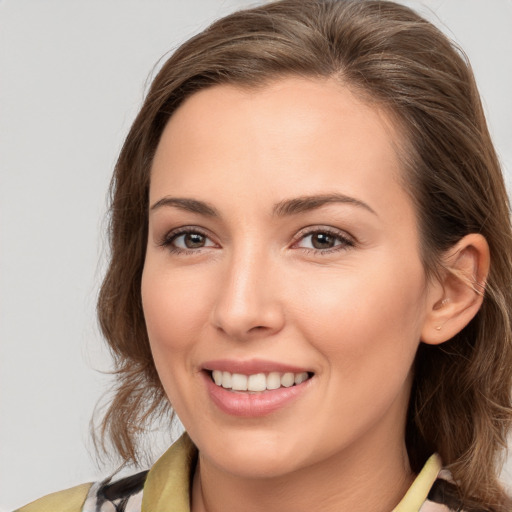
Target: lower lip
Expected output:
[250,404]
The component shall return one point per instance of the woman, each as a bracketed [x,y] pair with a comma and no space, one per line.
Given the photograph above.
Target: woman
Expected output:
[311,263]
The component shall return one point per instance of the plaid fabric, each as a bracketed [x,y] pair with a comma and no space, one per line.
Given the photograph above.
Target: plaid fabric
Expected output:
[125,495]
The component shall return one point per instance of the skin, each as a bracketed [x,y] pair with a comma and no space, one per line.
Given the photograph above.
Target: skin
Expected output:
[258,288]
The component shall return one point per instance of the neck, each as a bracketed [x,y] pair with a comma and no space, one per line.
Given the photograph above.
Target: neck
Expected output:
[355,480]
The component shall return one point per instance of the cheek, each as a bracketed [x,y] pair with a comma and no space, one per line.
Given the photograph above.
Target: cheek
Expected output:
[366,319]
[175,309]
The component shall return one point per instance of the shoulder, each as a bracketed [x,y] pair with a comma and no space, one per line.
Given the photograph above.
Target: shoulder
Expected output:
[167,482]
[96,497]
[124,494]
[70,500]
[164,487]
[445,495]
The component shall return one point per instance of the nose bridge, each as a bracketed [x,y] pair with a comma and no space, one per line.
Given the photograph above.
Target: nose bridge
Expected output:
[247,302]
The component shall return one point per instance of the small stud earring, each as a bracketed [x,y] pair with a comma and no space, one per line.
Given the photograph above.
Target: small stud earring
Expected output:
[438,328]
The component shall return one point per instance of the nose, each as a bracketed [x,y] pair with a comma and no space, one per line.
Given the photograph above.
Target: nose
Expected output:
[248,304]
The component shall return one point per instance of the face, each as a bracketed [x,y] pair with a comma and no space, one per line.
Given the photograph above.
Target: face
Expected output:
[283,256]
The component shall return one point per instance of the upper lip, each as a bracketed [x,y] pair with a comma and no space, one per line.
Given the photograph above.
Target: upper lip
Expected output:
[251,367]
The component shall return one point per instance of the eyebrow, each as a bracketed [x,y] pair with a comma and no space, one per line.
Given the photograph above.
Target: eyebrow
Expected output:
[284,208]
[307,203]
[189,205]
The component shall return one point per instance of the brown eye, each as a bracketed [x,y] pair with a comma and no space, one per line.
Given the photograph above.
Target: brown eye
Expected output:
[194,240]
[187,240]
[322,241]
[325,241]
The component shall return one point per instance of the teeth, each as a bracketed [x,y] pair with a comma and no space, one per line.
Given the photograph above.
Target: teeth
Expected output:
[258,381]
[239,382]
[217,377]
[226,379]
[288,380]
[273,380]
[301,377]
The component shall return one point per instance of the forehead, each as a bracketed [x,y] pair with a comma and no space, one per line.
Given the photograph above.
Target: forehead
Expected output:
[291,108]
[289,137]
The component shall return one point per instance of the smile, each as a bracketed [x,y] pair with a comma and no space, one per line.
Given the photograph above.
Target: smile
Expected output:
[257,382]
[250,389]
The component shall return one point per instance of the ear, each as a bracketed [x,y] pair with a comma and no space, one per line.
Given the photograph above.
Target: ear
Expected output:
[458,294]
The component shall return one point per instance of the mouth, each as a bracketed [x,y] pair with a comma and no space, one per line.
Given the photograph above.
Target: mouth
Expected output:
[256,387]
[257,382]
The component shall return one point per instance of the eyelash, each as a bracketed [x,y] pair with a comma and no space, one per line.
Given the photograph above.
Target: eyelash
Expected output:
[345,241]
[171,237]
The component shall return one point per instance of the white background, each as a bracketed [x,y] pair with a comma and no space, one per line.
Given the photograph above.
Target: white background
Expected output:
[72,75]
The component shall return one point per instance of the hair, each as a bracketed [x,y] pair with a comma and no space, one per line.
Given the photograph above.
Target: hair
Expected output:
[386,53]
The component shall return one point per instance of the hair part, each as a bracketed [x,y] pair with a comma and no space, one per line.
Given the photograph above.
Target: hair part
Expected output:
[385,53]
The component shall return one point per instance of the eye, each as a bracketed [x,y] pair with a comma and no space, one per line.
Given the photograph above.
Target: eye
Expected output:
[324,240]
[186,240]
[190,241]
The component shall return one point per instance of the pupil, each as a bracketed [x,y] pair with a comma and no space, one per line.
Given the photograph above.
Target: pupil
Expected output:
[323,241]
[193,240]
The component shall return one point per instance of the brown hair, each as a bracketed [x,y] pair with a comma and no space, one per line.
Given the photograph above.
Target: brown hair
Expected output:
[460,402]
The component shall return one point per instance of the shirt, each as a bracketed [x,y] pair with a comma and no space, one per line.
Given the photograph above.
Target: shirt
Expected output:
[166,488]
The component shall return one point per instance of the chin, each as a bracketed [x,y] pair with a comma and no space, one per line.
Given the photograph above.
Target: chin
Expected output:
[253,454]
[256,465]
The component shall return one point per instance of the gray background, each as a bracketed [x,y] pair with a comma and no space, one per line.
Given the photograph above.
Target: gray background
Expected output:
[72,75]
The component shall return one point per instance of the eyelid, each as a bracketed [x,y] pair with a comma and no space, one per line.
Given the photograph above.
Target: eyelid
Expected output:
[166,241]
[319,228]
[346,239]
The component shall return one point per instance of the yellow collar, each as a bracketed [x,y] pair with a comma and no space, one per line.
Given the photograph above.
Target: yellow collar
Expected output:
[167,487]
[418,492]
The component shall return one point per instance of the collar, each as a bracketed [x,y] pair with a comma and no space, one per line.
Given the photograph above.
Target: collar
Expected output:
[167,487]
[418,492]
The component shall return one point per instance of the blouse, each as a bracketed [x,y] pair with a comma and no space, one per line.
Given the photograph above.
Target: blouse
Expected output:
[166,488]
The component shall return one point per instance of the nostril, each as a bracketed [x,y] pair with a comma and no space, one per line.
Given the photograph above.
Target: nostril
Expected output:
[258,328]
